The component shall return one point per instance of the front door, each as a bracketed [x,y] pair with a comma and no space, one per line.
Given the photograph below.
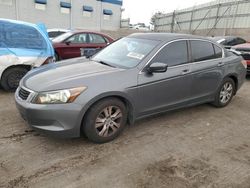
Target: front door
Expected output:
[162,91]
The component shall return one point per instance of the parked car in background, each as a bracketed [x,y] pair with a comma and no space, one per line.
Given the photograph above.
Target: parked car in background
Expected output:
[141,28]
[134,77]
[229,41]
[53,33]
[244,51]
[70,44]
[23,46]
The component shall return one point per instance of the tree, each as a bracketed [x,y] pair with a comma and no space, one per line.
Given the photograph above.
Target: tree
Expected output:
[154,17]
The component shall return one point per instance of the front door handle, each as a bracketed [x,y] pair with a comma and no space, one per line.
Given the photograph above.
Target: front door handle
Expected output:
[220,64]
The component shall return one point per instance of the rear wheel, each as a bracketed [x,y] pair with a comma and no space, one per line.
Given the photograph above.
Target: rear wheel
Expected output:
[105,120]
[11,78]
[225,93]
[57,57]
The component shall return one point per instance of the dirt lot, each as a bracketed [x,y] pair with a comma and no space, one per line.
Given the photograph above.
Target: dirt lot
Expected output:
[196,147]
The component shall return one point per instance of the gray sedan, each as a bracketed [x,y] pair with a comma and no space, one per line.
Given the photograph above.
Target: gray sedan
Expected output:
[135,77]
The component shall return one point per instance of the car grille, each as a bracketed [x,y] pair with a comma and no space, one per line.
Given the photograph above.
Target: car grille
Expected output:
[23,94]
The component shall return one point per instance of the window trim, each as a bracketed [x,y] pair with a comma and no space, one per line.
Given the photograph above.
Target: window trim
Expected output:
[189,52]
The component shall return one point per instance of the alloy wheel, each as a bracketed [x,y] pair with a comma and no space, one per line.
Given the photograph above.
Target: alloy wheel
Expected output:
[226,92]
[108,121]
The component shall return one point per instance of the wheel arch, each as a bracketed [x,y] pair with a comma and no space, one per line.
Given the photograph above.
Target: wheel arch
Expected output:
[122,97]
[234,77]
[28,67]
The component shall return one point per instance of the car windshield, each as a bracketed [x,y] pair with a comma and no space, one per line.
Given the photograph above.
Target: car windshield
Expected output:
[62,37]
[126,52]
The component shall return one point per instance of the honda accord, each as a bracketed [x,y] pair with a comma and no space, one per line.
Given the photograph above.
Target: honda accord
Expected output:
[134,77]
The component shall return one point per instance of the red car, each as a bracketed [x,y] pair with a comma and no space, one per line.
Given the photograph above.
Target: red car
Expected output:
[73,43]
[244,51]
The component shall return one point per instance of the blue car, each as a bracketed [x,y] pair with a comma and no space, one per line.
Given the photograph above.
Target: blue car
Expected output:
[23,46]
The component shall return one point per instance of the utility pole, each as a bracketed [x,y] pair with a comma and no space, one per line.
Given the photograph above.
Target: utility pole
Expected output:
[191,20]
[172,23]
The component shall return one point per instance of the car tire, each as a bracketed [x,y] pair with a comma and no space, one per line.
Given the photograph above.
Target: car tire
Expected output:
[225,93]
[105,120]
[57,57]
[11,78]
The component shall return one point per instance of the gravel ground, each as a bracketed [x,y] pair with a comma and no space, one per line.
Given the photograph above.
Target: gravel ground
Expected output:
[200,146]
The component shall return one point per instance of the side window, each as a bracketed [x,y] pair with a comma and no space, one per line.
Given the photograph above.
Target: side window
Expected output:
[60,33]
[202,50]
[52,34]
[78,38]
[175,53]
[240,41]
[96,39]
[217,51]
[230,42]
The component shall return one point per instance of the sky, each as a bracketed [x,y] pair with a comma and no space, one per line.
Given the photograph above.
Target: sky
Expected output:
[142,10]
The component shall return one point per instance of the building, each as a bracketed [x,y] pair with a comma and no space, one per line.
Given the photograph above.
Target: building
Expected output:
[67,14]
[220,17]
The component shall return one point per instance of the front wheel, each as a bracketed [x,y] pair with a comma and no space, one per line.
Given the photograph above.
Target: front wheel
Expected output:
[105,120]
[11,78]
[225,93]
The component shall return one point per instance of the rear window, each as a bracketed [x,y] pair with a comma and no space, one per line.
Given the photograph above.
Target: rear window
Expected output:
[202,51]
[96,39]
[21,36]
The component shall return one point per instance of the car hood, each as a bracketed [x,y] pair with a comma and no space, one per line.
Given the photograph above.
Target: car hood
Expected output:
[66,74]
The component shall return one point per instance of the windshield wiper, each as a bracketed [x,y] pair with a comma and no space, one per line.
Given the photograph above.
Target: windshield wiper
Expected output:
[104,63]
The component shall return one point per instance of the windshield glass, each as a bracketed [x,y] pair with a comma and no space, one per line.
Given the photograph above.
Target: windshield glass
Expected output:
[126,52]
[62,37]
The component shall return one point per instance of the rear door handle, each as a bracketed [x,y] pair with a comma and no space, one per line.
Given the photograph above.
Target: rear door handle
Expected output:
[220,64]
[185,71]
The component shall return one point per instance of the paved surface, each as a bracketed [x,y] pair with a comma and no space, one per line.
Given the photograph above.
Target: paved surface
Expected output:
[196,147]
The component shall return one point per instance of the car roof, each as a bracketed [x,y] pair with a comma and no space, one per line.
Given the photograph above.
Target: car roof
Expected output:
[165,37]
[76,31]
[57,29]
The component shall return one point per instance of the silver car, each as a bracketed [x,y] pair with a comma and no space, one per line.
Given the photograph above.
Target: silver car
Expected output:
[135,77]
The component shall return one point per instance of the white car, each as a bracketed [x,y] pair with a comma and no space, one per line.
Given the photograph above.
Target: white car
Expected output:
[141,28]
[53,33]
[23,46]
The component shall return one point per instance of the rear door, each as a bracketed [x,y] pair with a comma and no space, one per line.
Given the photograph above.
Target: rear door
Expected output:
[73,45]
[206,67]
[160,91]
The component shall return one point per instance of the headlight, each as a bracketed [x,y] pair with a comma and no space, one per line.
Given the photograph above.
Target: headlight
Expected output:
[59,97]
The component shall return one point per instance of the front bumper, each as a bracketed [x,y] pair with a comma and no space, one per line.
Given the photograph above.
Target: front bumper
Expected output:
[59,120]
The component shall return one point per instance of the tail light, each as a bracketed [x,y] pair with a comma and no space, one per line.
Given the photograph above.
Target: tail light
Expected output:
[244,63]
[48,60]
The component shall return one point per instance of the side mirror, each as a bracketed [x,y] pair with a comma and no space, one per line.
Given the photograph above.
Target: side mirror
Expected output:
[67,42]
[157,67]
